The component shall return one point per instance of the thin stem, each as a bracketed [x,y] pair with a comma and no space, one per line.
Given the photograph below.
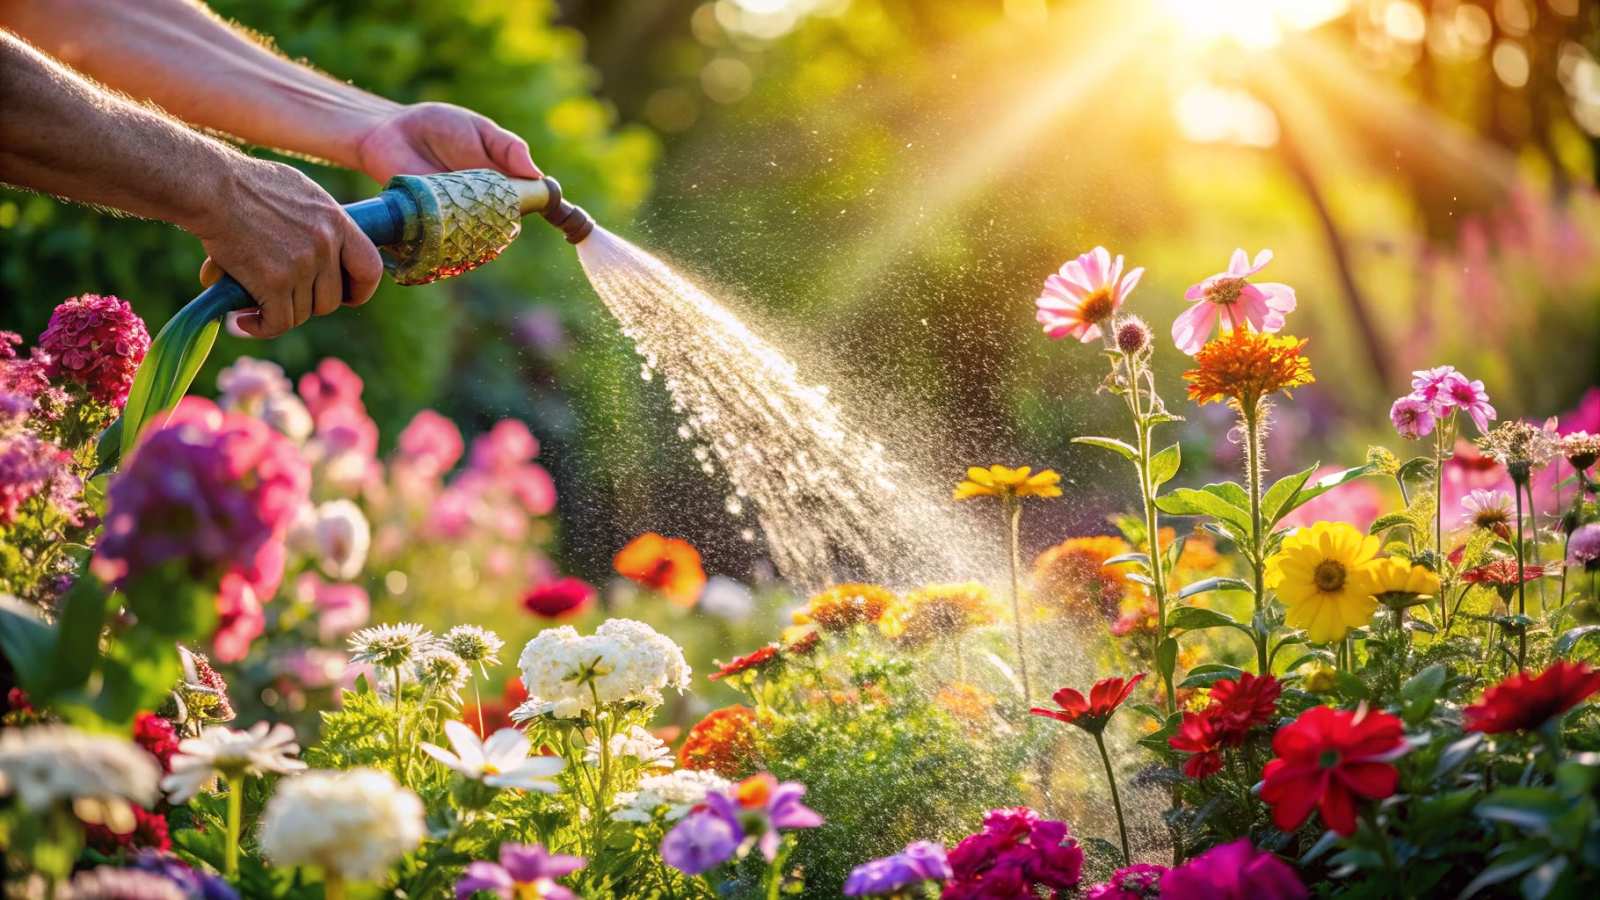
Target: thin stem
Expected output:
[1116,799]
[1438,491]
[775,870]
[398,774]
[332,885]
[235,816]
[477,702]
[1152,523]
[1533,535]
[1522,586]
[1252,427]
[1011,508]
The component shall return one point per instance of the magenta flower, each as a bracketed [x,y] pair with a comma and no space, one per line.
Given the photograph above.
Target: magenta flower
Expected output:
[1236,302]
[524,872]
[1469,397]
[1088,291]
[331,385]
[431,443]
[1584,547]
[506,446]
[1140,881]
[1235,871]
[97,342]
[30,466]
[920,861]
[700,842]
[1015,854]
[1427,386]
[1412,416]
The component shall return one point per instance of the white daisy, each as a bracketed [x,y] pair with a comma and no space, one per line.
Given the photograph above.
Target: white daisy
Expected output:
[389,646]
[475,645]
[225,753]
[49,763]
[441,672]
[636,743]
[502,761]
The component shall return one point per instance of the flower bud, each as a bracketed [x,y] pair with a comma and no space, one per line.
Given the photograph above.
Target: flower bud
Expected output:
[1133,335]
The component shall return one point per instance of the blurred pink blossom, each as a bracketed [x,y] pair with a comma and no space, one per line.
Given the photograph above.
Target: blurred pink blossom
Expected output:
[30,466]
[341,608]
[1236,302]
[313,667]
[504,447]
[332,385]
[431,443]
[1087,291]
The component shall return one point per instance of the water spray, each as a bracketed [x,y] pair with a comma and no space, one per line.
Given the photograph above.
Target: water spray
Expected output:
[427,227]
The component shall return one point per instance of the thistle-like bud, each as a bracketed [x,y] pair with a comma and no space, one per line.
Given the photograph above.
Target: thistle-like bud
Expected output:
[1133,335]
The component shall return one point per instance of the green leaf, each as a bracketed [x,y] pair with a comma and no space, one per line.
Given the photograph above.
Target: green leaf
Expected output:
[29,644]
[1210,673]
[1538,884]
[1193,618]
[1313,656]
[77,646]
[1167,658]
[172,603]
[1520,859]
[1528,808]
[1206,585]
[1163,466]
[1392,520]
[1190,502]
[1154,712]
[1325,484]
[1142,559]
[1145,580]
[1110,444]
[1570,639]
[1232,493]
[1275,502]
[1421,691]
[1350,687]
[1416,469]
[1456,755]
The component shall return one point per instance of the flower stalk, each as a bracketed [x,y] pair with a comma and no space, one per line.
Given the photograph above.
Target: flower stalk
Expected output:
[1011,510]
[1116,798]
[1251,412]
[235,816]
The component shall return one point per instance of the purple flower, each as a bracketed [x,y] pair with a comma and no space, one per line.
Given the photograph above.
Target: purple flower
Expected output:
[197,885]
[700,842]
[524,872]
[1584,546]
[1469,397]
[920,861]
[1015,854]
[1427,385]
[1235,871]
[97,342]
[30,466]
[1412,416]
[760,806]
[1140,881]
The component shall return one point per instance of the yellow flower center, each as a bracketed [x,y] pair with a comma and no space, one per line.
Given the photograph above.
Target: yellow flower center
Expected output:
[1329,575]
[491,769]
[1225,291]
[1098,306]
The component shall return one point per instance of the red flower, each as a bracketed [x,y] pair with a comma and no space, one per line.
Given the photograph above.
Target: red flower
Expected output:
[1203,735]
[1524,702]
[149,830]
[98,342]
[1325,759]
[1501,573]
[1092,714]
[157,736]
[757,660]
[562,597]
[1243,704]
[668,565]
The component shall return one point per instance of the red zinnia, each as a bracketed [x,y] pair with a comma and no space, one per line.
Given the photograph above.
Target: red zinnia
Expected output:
[1524,702]
[157,736]
[1202,735]
[1092,714]
[562,597]
[1502,573]
[1325,759]
[149,830]
[757,660]
[1243,704]
[723,742]
[669,565]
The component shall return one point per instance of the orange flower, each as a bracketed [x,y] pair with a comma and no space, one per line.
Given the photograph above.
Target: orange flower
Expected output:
[668,565]
[967,702]
[843,607]
[1072,573]
[999,481]
[725,742]
[1246,366]
[1199,552]
[940,610]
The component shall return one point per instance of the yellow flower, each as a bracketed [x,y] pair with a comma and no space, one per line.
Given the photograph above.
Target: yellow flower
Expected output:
[843,607]
[1323,575]
[1316,676]
[1246,366]
[939,610]
[999,481]
[1398,584]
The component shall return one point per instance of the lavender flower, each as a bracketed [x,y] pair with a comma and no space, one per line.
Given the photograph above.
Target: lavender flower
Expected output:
[1584,547]
[524,872]
[700,843]
[920,861]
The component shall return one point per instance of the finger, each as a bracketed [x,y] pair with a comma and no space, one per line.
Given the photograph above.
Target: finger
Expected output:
[328,290]
[277,315]
[363,269]
[251,324]
[210,272]
[304,298]
[508,152]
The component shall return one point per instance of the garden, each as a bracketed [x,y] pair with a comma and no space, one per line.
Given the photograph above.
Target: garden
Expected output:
[1043,545]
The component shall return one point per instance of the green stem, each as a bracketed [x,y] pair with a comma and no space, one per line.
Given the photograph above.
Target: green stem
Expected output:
[1011,508]
[398,774]
[477,703]
[775,870]
[1522,585]
[1152,523]
[1252,427]
[1116,799]
[235,816]
[332,885]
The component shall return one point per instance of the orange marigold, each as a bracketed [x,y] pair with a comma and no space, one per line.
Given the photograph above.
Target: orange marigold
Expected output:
[1072,574]
[669,565]
[940,610]
[1246,366]
[843,607]
[725,742]
[968,702]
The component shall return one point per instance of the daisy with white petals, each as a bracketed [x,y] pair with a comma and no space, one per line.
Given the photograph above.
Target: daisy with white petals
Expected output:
[500,762]
[230,755]
[47,764]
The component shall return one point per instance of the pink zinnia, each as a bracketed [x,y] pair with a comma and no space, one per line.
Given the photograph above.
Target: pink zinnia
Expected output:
[432,443]
[1412,416]
[1469,397]
[97,342]
[1087,291]
[1427,385]
[1239,303]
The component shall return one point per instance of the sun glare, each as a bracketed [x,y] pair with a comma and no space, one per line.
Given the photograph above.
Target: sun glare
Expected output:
[1253,24]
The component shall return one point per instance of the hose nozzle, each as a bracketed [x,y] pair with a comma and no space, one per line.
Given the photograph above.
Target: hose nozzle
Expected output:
[543,196]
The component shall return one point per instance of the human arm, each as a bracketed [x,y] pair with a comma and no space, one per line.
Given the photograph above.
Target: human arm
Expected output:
[179,55]
[279,234]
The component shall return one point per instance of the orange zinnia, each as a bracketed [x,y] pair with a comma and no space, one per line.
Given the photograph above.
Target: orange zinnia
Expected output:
[668,565]
[843,607]
[1073,573]
[1246,367]
[723,742]
[940,610]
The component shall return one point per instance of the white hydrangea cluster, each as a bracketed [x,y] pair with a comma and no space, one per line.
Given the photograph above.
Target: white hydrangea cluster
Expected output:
[678,792]
[634,742]
[623,660]
[356,823]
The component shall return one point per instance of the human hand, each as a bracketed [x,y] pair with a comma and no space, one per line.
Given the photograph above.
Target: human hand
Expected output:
[288,243]
[425,138]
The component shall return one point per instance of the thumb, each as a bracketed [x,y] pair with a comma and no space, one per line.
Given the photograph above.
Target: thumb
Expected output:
[509,152]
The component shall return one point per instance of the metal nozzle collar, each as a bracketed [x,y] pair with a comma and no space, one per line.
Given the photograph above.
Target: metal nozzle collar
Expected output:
[573,221]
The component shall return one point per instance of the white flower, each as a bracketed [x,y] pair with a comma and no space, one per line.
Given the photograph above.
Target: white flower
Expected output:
[678,791]
[49,763]
[355,823]
[441,672]
[623,661]
[289,416]
[475,644]
[726,599]
[221,751]
[247,384]
[339,538]
[389,646]
[502,761]
[637,743]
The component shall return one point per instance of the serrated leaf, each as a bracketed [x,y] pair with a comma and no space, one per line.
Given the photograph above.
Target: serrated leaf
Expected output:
[1214,584]
[1110,444]
[1164,465]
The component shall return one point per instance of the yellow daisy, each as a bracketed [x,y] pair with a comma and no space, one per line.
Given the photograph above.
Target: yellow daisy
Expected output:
[1323,575]
[999,481]
[1398,584]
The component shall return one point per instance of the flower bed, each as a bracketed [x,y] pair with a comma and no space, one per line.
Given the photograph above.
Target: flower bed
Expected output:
[1295,704]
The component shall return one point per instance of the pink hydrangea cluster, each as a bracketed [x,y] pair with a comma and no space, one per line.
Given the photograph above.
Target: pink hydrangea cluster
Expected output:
[31,466]
[217,491]
[1017,854]
[25,388]
[97,342]
[1438,394]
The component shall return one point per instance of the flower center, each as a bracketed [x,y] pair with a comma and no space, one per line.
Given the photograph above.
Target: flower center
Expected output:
[491,769]
[1098,306]
[1328,759]
[1491,519]
[1225,291]
[1329,575]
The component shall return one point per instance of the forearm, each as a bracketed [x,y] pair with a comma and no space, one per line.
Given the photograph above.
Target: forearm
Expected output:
[180,56]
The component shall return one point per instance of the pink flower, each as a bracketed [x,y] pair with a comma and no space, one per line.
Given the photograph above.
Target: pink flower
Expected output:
[1412,417]
[533,488]
[1140,881]
[555,599]
[1088,291]
[1427,385]
[341,608]
[97,342]
[246,385]
[1238,303]
[331,386]
[507,445]
[1467,396]
[431,443]
[1236,871]
[30,466]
